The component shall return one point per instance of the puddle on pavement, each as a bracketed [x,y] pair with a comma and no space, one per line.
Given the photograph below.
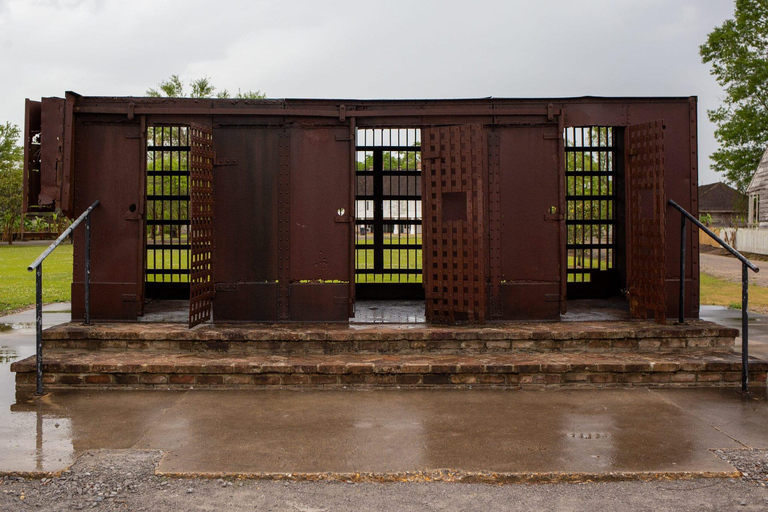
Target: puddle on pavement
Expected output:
[32,436]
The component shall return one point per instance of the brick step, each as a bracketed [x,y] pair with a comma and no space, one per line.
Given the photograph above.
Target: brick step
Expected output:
[99,369]
[591,337]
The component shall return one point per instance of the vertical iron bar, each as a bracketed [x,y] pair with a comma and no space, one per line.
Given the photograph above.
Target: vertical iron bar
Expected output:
[88,270]
[744,329]
[39,327]
[681,304]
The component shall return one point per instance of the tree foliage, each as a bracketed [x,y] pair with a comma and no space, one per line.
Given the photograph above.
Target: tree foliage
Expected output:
[173,87]
[738,53]
[11,188]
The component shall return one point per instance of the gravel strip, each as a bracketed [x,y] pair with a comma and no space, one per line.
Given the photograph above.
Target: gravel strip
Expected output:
[753,464]
[122,480]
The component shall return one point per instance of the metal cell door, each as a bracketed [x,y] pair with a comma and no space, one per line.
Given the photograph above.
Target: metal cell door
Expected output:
[201,223]
[646,201]
[454,162]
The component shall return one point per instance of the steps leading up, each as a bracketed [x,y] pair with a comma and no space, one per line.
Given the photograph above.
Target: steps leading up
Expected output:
[592,337]
[526,354]
[101,369]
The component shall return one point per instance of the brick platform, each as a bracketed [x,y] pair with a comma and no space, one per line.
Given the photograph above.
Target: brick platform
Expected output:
[405,338]
[583,354]
[77,368]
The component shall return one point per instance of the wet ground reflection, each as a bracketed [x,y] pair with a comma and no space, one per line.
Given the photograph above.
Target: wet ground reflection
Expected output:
[377,431]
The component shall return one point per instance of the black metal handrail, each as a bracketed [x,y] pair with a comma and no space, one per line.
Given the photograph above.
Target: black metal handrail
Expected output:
[37,266]
[745,264]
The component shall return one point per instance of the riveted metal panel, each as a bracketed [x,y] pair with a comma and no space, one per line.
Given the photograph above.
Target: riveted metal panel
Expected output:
[284,224]
[494,214]
[320,212]
[454,161]
[646,263]
[201,288]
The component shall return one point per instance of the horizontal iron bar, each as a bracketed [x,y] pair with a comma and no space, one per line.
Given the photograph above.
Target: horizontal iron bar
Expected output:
[590,246]
[409,247]
[609,174]
[589,149]
[719,240]
[168,247]
[61,238]
[169,148]
[388,148]
[389,271]
[403,173]
[590,222]
[166,197]
[389,197]
[180,174]
[167,222]
[369,222]
[591,198]
[168,271]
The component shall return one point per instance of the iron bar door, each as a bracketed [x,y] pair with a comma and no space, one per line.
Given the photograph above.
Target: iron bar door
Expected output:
[646,221]
[201,224]
[454,164]
[590,215]
[388,234]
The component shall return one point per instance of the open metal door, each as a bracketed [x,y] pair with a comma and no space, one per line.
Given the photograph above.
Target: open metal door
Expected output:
[200,224]
[454,159]
[646,206]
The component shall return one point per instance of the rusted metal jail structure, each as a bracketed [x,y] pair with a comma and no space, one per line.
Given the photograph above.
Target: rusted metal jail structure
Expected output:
[287,210]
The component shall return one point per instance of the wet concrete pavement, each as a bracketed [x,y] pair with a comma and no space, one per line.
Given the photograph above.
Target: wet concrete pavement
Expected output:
[382,432]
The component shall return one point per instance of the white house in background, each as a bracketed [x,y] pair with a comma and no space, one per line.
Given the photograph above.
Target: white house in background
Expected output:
[758,193]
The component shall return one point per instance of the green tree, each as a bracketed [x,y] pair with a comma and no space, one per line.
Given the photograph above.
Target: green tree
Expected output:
[738,53]
[173,87]
[11,188]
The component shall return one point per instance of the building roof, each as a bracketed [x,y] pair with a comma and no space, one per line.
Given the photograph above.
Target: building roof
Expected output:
[760,178]
[718,197]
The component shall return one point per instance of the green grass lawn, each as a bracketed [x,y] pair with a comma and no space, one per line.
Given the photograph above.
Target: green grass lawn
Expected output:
[724,293]
[17,285]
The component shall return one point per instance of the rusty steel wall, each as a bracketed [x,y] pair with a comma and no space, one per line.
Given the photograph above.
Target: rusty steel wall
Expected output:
[319,211]
[110,159]
[285,166]
[246,188]
[454,160]
[530,221]
[201,211]
[647,204]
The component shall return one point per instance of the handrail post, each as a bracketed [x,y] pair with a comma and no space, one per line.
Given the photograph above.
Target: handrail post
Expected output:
[88,270]
[681,304]
[744,329]
[39,328]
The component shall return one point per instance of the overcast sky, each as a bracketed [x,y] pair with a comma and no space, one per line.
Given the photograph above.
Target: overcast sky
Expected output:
[364,49]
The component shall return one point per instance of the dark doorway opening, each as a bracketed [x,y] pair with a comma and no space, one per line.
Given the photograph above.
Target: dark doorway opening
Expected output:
[388,232]
[167,263]
[593,196]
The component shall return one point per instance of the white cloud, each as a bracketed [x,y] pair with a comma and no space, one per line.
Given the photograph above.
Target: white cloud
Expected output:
[364,49]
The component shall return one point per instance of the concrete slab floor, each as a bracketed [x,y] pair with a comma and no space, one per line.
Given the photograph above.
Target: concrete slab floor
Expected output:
[387,431]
